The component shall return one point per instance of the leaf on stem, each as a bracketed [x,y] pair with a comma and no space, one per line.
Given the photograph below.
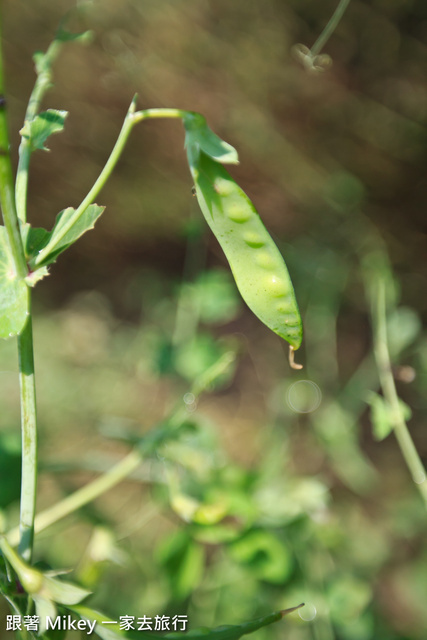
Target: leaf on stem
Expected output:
[42,126]
[33,239]
[45,589]
[43,61]
[63,35]
[13,293]
[199,136]
[382,415]
[38,239]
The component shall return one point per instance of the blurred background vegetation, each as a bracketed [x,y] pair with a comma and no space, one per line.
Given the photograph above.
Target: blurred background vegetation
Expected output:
[280,492]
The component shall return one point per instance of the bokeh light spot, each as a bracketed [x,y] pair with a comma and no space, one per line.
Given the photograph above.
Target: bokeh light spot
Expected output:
[308,612]
[304,396]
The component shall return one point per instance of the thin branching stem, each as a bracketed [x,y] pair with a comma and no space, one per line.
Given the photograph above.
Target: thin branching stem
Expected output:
[132,118]
[83,496]
[382,356]
[42,84]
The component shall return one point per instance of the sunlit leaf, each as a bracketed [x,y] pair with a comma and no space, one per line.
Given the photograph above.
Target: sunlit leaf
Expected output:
[63,35]
[59,240]
[43,61]
[33,239]
[42,126]
[200,136]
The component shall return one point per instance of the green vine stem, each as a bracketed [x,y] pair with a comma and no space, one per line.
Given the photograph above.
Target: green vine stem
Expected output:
[7,196]
[29,436]
[132,118]
[83,496]
[129,463]
[383,360]
[25,340]
[42,84]
[330,28]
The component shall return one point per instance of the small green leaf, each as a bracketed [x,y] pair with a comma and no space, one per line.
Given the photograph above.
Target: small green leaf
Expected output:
[33,239]
[62,591]
[60,241]
[63,35]
[382,415]
[200,136]
[44,124]
[382,426]
[13,293]
[35,276]
[403,327]
[43,61]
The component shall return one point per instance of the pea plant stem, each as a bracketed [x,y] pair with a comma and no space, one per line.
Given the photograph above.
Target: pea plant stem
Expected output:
[25,340]
[119,471]
[7,197]
[29,436]
[388,386]
[42,84]
[83,496]
[330,27]
[131,119]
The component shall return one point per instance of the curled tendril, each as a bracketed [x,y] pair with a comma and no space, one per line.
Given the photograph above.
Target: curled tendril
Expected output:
[312,60]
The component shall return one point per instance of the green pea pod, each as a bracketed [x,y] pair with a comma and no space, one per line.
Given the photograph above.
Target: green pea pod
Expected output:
[257,265]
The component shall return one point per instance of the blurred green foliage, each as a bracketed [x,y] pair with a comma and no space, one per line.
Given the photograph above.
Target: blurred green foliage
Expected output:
[281,492]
